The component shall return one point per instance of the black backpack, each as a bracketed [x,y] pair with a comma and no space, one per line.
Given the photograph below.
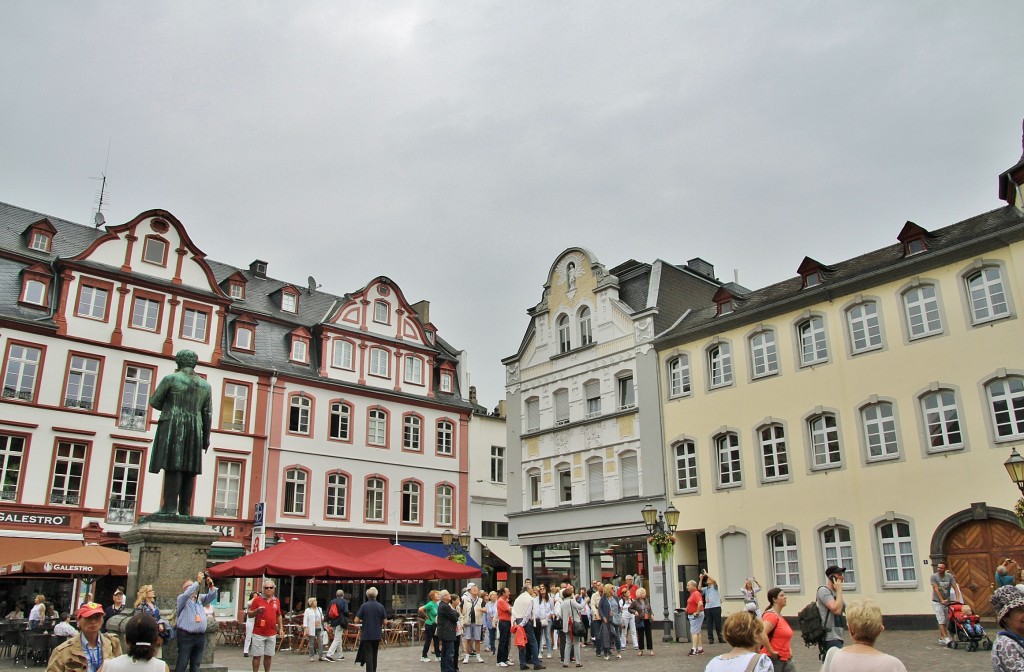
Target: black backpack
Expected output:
[812,627]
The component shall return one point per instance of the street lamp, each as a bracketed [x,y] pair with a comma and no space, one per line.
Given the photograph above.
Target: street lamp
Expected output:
[453,545]
[1015,468]
[663,523]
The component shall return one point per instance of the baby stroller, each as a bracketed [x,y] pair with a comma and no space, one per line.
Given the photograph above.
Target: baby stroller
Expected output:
[965,630]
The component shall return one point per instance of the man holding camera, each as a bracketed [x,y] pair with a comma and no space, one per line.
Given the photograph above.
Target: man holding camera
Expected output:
[190,621]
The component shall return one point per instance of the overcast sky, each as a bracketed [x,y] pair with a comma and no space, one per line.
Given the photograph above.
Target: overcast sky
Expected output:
[459,147]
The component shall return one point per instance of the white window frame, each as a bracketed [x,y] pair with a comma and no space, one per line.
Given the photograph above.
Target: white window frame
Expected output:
[342,355]
[83,377]
[987,295]
[234,407]
[40,242]
[560,400]
[299,350]
[154,245]
[922,311]
[35,292]
[774,454]
[300,408]
[563,479]
[125,473]
[412,433]
[145,314]
[446,381]
[246,342]
[339,425]
[592,398]
[68,481]
[377,428]
[381,312]
[92,302]
[444,505]
[719,362]
[374,500]
[445,438]
[896,554]
[533,487]
[289,302]
[586,331]
[134,411]
[812,341]
[826,444]
[336,495]
[379,364]
[865,327]
[679,376]
[595,479]
[412,500]
[878,420]
[686,466]
[839,552]
[532,414]
[1006,407]
[728,460]
[23,364]
[194,323]
[785,558]
[12,459]
[413,370]
[497,464]
[229,487]
[764,354]
[564,334]
[935,407]
[630,486]
[625,392]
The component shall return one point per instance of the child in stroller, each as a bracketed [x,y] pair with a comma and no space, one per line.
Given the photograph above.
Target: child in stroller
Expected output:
[966,627]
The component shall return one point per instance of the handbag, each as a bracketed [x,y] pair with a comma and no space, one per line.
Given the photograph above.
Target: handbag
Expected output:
[579,629]
[323,637]
[556,623]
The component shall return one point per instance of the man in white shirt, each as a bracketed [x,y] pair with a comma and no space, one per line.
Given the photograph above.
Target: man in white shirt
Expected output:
[64,628]
[522,613]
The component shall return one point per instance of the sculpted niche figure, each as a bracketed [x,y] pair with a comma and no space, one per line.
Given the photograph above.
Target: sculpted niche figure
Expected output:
[182,434]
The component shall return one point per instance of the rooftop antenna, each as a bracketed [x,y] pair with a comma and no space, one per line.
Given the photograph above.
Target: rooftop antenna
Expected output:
[98,219]
[311,285]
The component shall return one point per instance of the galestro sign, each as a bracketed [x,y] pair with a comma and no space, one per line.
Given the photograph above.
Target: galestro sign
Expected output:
[35,519]
[48,567]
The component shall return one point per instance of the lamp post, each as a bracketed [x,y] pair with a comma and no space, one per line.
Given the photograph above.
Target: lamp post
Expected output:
[1015,468]
[455,545]
[662,523]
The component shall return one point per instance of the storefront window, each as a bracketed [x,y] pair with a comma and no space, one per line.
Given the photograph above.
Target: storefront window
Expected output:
[618,557]
[555,563]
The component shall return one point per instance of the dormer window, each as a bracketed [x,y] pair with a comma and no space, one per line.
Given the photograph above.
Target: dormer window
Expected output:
[237,291]
[446,382]
[154,251]
[810,273]
[299,350]
[39,236]
[243,338]
[35,286]
[289,301]
[724,301]
[40,242]
[914,239]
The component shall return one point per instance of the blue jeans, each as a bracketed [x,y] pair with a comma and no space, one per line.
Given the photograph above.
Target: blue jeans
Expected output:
[491,632]
[190,651]
[830,644]
[530,655]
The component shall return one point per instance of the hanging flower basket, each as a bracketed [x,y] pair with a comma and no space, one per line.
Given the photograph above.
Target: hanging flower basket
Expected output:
[1018,509]
[664,545]
[458,557]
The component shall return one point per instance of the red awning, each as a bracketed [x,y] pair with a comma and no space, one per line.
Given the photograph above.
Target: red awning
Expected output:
[343,558]
[16,549]
[89,560]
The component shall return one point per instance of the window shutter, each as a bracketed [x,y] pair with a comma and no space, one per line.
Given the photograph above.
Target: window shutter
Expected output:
[561,407]
[532,415]
[595,480]
[630,477]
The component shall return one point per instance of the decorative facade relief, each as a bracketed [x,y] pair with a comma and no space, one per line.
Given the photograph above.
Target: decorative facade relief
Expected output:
[643,330]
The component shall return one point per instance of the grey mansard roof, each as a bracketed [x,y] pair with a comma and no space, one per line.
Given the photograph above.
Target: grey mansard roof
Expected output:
[962,240]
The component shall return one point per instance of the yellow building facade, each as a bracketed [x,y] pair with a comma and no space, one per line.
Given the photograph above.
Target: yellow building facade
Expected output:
[857,414]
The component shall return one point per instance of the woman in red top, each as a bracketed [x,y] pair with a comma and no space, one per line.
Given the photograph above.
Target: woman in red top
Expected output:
[504,627]
[695,614]
[777,633]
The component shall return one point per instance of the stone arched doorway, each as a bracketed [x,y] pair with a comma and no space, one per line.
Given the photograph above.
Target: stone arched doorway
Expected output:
[972,543]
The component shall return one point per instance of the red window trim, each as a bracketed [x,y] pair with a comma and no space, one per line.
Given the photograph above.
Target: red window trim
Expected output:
[437,433]
[27,439]
[142,475]
[291,292]
[354,350]
[57,440]
[39,371]
[374,316]
[312,414]
[423,499]
[138,293]
[252,331]
[384,508]
[153,381]
[145,247]
[351,419]
[95,283]
[99,382]
[423,370]
[29,275]
[438,486]
[248,405]
[423,424]
[192,305]
[387,427]
[348,495]
[241,488]
[284,490]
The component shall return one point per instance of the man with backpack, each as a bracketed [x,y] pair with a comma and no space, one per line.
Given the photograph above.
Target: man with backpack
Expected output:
[829,601]
[337,616]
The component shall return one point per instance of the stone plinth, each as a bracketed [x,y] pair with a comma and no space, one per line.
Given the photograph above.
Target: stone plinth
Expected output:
[165,553]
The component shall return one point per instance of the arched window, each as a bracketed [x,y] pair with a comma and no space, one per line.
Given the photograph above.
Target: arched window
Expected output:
[445,502]
[377,428]
[445,440]
[341,421]
[837,549]
[1006,403]
[586,336]
[988,297]
[813,344]
[564,344]
[785,559]
[686,466]
[376,490]
[679,376]
[411,430]
[337,495]
[921,308]
[413,370]
[727,454]
[825,449]
[865,329]
[379,362]
[381,312]
[942,420]
[411,494]
[295,492]
[299,412]
[896,551]
[774,457]
[880,431]
[342,355]
[764,355]
[719,365]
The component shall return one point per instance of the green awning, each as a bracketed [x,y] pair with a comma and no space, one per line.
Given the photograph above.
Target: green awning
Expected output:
[224,553]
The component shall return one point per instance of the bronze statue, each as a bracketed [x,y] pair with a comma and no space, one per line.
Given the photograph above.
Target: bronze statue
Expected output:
[182,433]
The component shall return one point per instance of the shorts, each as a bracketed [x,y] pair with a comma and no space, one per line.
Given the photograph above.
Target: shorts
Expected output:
[940,612]
[471,631]
[263,646]
[696,622]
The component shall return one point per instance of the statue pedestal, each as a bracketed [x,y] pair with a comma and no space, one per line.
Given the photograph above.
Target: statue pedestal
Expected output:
[166,552]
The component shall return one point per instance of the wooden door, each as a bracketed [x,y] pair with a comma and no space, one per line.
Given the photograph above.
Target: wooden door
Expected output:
[974,550]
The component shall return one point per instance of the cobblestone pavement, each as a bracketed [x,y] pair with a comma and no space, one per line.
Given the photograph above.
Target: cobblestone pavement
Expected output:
[919,650]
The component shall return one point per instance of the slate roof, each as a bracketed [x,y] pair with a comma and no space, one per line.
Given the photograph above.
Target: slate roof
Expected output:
[262,298]
[961,240]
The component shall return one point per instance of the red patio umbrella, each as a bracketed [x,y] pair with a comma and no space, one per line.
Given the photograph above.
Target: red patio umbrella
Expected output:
[293,558]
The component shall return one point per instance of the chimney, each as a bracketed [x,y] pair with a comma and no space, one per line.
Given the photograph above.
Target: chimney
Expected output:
[701,267]
[422,309]
[472,395]
[259,269]
[500,410]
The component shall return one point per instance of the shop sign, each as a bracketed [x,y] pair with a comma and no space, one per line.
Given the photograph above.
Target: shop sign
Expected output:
[224,530]
[35,519]
[50,567]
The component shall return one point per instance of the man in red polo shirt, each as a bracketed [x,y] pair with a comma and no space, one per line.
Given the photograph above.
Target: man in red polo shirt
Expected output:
[267,626]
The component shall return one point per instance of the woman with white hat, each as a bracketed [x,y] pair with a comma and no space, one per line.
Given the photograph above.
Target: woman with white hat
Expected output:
[1008,651]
